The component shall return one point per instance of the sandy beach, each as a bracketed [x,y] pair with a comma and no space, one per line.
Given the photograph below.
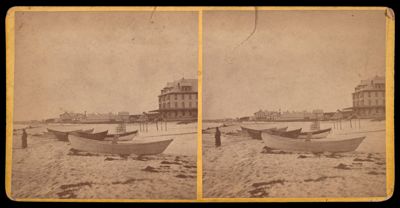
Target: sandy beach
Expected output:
[243,168]
[48,168]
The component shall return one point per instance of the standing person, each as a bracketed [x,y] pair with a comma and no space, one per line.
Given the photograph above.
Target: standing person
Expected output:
[24,139]
[217,138]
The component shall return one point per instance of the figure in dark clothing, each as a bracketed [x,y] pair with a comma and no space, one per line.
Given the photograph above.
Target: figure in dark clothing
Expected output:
[217,138]
[24,139]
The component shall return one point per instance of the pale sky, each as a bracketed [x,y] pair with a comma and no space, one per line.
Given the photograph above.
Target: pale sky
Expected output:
[295,60]
[99,61]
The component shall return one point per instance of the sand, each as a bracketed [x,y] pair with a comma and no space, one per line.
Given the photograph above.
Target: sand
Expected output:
[49,169]
[243,168]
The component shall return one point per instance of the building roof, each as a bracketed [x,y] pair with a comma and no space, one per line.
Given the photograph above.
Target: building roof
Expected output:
[175,86]
[375,80]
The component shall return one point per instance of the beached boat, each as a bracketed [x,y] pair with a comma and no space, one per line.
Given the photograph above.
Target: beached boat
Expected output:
[256,133]
[90,145]
[315,134]
[94,136]
[128,136]
[290,134]
[306,145]
[63,135]
[282,129]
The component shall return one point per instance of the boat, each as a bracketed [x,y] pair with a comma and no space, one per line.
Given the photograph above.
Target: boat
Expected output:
[282,129]
[290,134]
[94,146]
[128,136]
[256,133]
[315,134]
[307,145]
[63,135]
[94,136]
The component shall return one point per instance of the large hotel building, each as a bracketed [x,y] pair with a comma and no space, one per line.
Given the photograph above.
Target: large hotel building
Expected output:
[178,100]
[369,98]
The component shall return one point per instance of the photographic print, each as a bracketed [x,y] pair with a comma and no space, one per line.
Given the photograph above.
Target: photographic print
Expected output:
[105,104]
[294,104]
[199,104]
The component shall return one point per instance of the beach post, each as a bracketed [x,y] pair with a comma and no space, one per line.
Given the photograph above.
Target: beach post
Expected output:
[157,124]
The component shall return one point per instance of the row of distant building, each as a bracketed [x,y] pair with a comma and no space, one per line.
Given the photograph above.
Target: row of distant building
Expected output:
[177,101]
[368,102]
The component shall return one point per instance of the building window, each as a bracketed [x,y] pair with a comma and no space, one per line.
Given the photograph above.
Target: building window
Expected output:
[190,104]
[369,102]
[376,101]
[369,94]
[167,97]
[183,96]
[176,105]
[183,113]
[169,105]
[376,94]
[190,96]
[183,104]
[176,97]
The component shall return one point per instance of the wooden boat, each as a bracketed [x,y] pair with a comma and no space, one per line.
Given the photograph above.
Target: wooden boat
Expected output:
[94,136]
[128,136]
[290,134]
[90,145]
[63,135]
[282,129]
[315,134]
[255,133]
[306,145]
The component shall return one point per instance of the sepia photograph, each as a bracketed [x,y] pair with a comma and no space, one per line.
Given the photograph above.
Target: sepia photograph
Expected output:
[294,104]
[105,104]
[199,104]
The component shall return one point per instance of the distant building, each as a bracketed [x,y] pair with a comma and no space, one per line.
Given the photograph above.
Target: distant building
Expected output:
[301,115]
[134,118]
[266,115]
[178,100]
[99,118]
[71,117]
[369,98]
[123,116]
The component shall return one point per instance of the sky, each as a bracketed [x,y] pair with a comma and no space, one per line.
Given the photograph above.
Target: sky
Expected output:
[99,61]
[294,60]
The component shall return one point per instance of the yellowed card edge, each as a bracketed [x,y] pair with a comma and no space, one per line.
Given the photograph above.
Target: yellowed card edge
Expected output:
[10,63]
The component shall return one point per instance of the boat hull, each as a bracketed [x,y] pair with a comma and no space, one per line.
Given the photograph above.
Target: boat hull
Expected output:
[289,134]
[89,145]
[121,137]
[255,133]
[316,134]
[95,136]
[303,145]
[63,135]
